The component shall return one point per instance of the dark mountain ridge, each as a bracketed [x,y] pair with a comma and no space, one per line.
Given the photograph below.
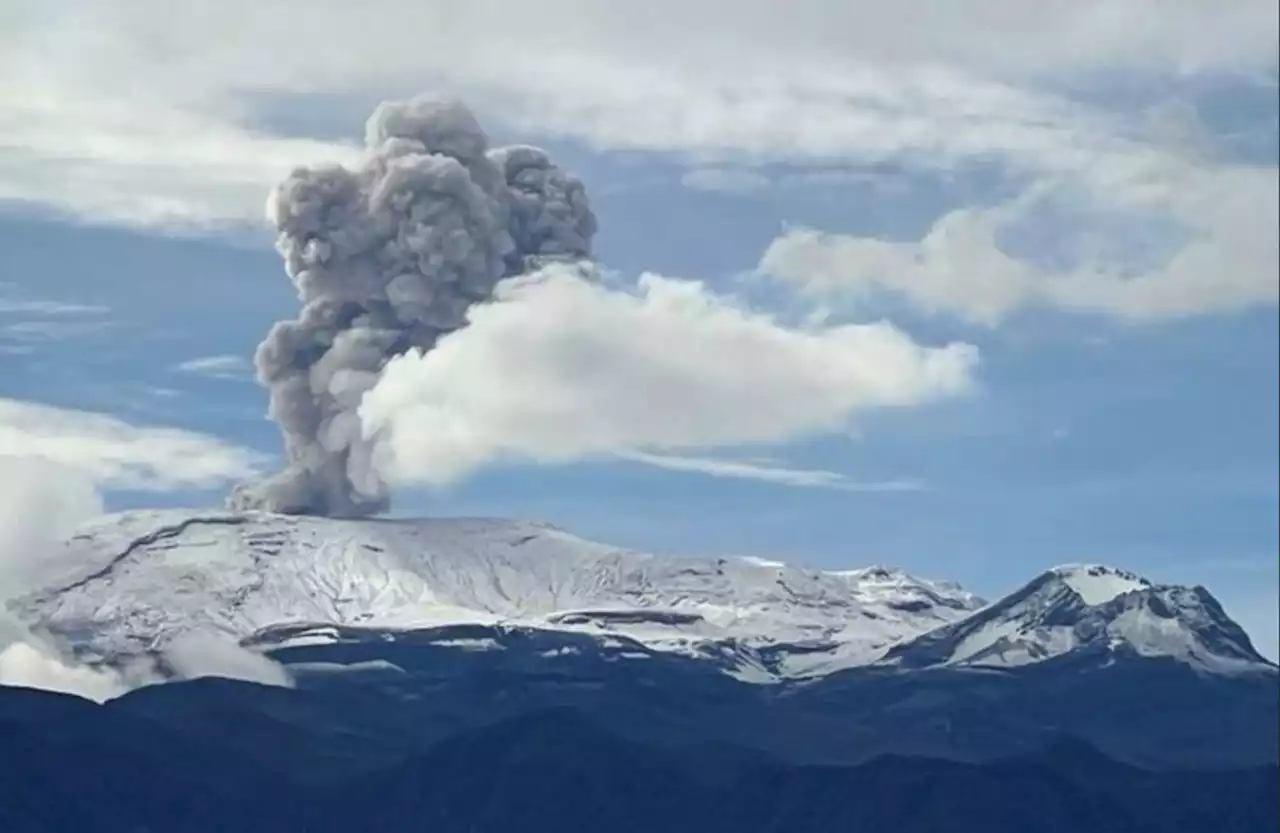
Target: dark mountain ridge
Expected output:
[71,765]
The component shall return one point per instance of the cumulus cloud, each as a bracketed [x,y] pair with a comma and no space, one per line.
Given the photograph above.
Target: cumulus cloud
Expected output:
[117,454]
[559,369]
[1193,242]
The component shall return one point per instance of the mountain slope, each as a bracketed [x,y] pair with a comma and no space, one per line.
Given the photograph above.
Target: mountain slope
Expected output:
[156,575]
[282,582]
[1089,611]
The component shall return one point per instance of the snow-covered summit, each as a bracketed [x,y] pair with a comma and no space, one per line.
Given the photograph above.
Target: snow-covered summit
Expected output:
[1096,584]
[145,578]
[148,577]
[1089,610]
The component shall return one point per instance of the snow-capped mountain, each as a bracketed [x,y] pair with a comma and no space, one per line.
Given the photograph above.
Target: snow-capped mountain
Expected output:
[147,578]
[398,632]
[153,576]
[1088,610]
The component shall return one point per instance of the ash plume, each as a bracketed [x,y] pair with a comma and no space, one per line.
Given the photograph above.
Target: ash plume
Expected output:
[387,258]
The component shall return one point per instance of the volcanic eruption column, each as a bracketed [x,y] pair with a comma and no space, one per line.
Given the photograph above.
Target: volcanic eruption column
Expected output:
[388,258]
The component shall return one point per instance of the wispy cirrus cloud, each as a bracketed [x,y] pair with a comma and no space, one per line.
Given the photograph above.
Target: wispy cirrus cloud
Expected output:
[225,366]
[17,306]
[725,180]
[25,320]
[52,329]
[766,473]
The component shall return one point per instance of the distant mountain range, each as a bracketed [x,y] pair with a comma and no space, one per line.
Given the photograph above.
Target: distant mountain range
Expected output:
[468,673]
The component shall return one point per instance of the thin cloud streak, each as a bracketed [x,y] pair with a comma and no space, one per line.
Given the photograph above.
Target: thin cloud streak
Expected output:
[226,366]
[741,469]
[118,454]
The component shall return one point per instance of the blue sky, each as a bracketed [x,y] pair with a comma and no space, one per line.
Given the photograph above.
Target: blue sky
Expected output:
[1097,221]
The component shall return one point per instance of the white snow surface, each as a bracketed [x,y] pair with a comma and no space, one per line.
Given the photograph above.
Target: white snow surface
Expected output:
[147,578]
[1079,608]
[151,576]
[1096,584]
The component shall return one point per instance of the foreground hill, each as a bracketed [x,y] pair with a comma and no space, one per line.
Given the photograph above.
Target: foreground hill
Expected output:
[71,765]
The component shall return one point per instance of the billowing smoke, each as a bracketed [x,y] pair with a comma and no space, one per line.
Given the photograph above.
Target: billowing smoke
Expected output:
[387,258]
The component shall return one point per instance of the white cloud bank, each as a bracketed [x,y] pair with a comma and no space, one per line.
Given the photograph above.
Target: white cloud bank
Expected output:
[1215,249]
[560,369]
[121,110]
[117,454]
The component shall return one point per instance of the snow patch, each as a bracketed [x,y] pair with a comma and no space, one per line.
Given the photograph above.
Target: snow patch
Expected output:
[330,668]
[761,562]
[1090,610]
[1096,584]
[486,644]
[562,651]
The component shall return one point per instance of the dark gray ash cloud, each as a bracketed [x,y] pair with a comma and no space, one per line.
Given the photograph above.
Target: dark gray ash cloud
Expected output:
[386,258]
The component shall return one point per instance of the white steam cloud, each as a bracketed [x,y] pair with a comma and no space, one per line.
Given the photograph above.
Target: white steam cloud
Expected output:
[42,501]
[558,369]
[205,654]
